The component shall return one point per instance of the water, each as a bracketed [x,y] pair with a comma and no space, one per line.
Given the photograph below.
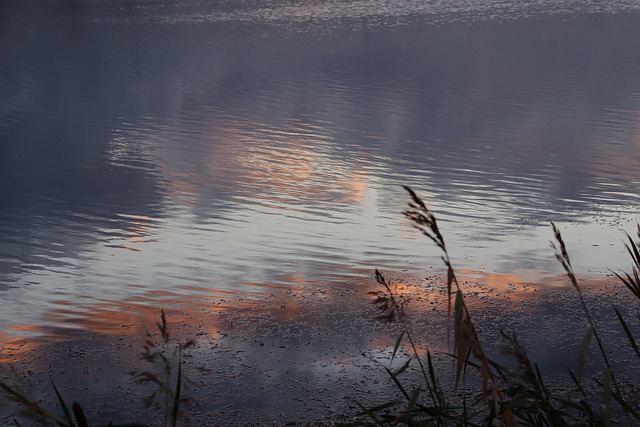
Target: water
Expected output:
[245,147]
[153,153]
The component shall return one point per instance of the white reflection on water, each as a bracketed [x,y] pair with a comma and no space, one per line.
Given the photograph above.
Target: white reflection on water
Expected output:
[193,151]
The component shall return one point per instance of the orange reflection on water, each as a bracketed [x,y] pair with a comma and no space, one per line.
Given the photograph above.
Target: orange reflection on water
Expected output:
[285,166]
[138,230]
[181,188]
[14,350]
[305,338]
[347,309]
[356,189]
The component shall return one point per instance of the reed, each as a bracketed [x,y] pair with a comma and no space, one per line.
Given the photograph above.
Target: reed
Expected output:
[504,396]
[164,356]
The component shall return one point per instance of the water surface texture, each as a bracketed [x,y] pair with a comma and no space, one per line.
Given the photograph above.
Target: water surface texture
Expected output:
[151,150]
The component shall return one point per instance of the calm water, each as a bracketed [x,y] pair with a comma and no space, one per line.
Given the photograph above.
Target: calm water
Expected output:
[242,147]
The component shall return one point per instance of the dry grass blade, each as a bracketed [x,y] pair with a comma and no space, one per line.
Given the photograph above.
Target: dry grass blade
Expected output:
[80,416]
[584,348]
[563,256]
[632,282]
[397,345]
[371,412]
[176,394]
[465,338]
[162,327]
[397,382]
[63,405]
[402,368]
[388,303]
[460,346]
[30,407]
[516,396]
[410,405]
[165,356]
[627,332]
[423,219]
[450,277]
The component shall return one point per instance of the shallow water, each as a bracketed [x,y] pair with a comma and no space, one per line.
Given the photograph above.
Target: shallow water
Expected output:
[155,153]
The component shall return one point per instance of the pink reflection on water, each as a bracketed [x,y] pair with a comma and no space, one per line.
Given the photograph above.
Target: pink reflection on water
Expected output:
[301,346]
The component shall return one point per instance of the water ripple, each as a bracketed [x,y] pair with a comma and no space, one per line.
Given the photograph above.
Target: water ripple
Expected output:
[161,150]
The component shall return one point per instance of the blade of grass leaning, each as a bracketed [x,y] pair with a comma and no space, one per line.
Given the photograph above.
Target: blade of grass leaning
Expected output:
[402,368]
[627,408]
[397,383]
[63,405]
[578,384]
[79,414]
[378,408]
[539,379]
[584,348]
[434,390]
[176,395]
[371,413]
[632,283]
[627,331]
[461,347]
[634,252]
[410,405]
[29,404]
[563,257]
[450,277]
[397,345]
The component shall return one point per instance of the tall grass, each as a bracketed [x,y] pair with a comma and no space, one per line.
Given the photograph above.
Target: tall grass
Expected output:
[504,396]
[164,356]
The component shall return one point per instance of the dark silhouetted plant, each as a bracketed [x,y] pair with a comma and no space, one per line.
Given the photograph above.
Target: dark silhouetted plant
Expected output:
[515,396]
[167,355]
[30,409]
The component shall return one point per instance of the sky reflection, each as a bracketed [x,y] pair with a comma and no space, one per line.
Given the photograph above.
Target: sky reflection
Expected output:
[304,355]
[151,157]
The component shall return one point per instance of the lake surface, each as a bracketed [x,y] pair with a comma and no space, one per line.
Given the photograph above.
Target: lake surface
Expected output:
[159,152]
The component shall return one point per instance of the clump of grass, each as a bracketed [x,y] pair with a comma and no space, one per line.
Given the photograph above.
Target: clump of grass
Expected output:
[632,281]
[31,410]
[505,396]
[165,357]
[164,353]
[16,390]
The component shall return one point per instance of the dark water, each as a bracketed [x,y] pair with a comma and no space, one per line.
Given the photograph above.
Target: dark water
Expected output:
[154,152]
[240,147]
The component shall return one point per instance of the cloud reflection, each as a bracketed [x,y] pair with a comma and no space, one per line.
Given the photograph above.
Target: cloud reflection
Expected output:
[146,165]
[284,354]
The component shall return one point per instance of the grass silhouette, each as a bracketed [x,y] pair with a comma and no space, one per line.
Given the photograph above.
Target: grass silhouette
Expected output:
[505,396]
